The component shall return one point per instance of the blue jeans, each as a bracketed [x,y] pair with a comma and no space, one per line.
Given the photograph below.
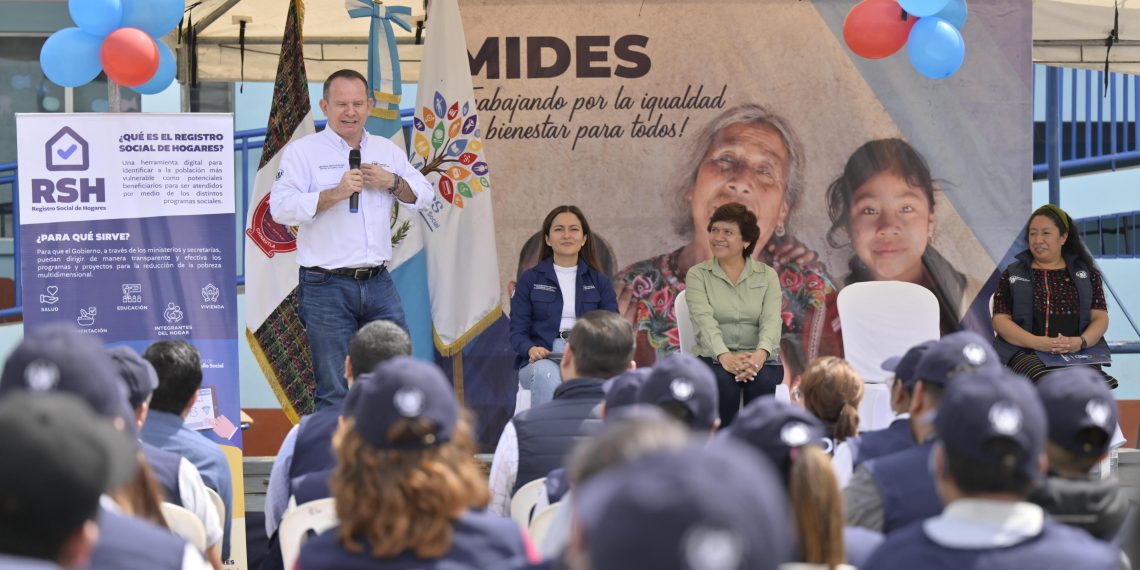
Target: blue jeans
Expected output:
[333,308]
[542,377]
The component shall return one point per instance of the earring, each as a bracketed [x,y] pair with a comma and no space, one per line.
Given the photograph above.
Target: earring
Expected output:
[780,230]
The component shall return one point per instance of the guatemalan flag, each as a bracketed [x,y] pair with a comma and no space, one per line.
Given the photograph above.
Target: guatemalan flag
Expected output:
[459,227]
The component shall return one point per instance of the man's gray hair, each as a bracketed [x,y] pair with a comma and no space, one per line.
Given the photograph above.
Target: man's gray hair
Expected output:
[376,342]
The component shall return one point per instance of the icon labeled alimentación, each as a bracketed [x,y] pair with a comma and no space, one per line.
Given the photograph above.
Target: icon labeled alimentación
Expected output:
[67,151]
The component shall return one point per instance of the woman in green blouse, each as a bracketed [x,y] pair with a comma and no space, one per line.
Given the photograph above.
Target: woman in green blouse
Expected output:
[735,305]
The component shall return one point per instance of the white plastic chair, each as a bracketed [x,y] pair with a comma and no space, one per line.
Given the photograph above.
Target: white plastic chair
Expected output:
[185,524]
[522,400]
[541,522]
[317,516]
[219,507]
[882,319]
[685,335]
[523,501]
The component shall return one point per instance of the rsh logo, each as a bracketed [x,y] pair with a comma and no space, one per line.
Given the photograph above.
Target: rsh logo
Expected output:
[67,151]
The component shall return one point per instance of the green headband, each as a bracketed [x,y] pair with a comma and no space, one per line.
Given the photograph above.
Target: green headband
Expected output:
[1061,215]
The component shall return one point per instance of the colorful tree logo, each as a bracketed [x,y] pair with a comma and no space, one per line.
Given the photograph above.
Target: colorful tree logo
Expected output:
[446,135]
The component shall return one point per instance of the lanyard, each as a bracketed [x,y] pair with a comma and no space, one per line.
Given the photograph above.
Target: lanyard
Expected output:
[1048,303]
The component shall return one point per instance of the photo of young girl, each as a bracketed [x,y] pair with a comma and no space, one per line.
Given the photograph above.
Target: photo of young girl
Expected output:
[884,204]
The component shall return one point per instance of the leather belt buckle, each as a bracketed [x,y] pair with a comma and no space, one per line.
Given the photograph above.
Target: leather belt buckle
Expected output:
[362,273]
[564,335]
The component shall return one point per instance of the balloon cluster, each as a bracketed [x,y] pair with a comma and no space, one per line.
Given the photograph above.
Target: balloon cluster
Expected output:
[118,37]
[930,29]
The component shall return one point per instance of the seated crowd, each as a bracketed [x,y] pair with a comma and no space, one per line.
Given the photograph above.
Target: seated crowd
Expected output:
[983,468]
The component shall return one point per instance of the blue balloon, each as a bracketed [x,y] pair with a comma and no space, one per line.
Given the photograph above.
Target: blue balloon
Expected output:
[96,17]
[922,8]
[155,17]
[163,76]
[955,12]
[936,48]
[70,57]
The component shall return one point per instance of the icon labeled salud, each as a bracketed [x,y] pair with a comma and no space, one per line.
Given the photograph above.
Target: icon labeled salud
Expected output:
[210,293]
[49,298]
[67,151]
[86,317]
[173,313]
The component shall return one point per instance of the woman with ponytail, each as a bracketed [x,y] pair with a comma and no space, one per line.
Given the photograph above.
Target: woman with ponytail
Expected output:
[796,441]
[832,391]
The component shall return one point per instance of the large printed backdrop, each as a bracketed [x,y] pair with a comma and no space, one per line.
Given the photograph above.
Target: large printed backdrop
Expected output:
[548,75]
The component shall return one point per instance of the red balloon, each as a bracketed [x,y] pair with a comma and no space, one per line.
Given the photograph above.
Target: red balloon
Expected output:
[875,29]
[129,56]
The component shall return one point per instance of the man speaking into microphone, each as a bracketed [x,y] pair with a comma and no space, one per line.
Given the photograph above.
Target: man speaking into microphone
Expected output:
[338,186]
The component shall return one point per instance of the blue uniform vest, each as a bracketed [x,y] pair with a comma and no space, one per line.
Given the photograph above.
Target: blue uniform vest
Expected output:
[1021,298]
[875,444]
[479,540]
[547,433]
[312,450]
[165,466]
[536,305]
[1057,548]
[906,486]
[311,487]
[128,543]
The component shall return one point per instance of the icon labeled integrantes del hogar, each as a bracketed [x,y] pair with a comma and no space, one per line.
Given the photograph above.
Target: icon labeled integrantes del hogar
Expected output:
[173,313]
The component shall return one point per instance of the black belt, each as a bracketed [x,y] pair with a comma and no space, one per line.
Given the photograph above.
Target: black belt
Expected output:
[564,335]
[358,273]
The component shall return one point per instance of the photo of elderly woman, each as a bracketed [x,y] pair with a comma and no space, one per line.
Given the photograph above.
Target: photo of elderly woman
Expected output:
[883,204]
[750,155]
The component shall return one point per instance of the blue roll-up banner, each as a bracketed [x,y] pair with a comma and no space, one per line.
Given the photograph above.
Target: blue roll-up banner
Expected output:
[127,232]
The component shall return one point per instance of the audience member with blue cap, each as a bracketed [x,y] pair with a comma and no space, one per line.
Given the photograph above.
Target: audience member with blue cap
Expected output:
[793,439]
[409,492]
[181,483]
[307,447]
[621,390]
[58,358]
[992,430]
[1082,420]
[720,506]
[894,490]
[896,437]
[685,388]
[59,457]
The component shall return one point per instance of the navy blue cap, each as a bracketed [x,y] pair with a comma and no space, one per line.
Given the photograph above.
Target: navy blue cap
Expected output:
[59,358]
[955,353]
[904,366]
[621,390]
[716,506]
[776,428]
[59,457]
[987,405]
[401,389]
[1077,398]
[137,374]
[683,378]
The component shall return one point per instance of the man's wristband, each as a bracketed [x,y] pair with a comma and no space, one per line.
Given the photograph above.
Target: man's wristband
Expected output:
[1084,343]
[396,180]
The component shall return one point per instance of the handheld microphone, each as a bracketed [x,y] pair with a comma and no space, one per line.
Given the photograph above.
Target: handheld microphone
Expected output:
[354,163]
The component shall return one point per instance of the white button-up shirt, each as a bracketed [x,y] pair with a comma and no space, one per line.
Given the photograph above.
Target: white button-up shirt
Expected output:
[337,238]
